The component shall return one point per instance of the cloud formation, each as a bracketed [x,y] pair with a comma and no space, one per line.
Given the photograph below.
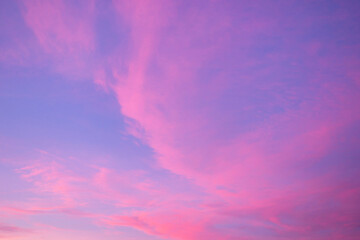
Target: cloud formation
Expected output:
[238,120]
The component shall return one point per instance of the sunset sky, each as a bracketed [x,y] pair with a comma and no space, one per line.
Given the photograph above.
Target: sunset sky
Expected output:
[179,120]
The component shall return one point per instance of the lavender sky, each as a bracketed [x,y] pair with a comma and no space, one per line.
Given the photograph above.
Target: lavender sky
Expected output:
[188,120]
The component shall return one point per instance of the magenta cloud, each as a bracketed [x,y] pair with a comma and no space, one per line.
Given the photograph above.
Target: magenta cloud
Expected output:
[186,120]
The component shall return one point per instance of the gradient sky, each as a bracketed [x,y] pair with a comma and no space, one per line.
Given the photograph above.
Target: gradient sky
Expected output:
[184,120]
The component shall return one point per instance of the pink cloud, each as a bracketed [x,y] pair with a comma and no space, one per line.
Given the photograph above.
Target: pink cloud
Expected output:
[171,113]
[8,228]
[50,178]
[12,232]
[247,119]
[52,35]
[154,101]
[59,28]
[181,224]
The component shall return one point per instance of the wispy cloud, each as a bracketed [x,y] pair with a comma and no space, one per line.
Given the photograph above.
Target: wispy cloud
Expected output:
[244,113]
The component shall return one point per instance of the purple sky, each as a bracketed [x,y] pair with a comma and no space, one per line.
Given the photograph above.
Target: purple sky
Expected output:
[184,120]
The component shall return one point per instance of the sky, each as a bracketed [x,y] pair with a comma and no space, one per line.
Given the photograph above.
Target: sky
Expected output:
[179,120]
